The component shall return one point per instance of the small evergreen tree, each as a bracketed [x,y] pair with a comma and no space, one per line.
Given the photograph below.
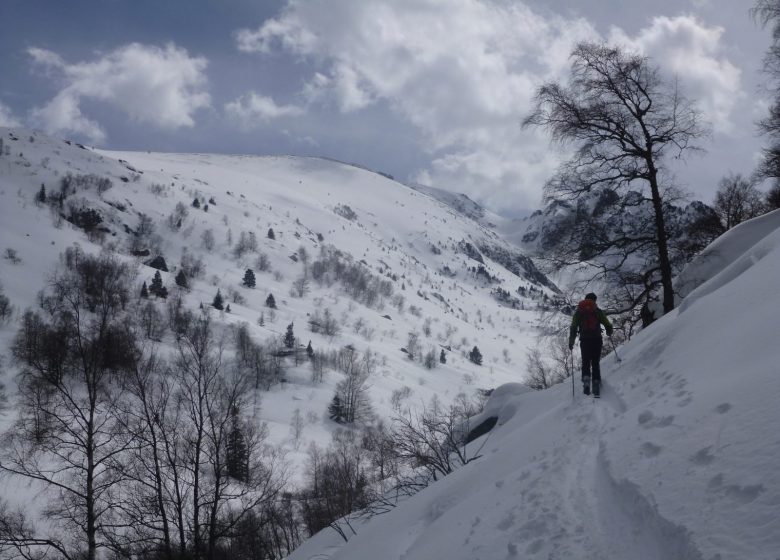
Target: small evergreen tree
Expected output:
[310,351]
[475,356]
[237,455]
[336,410]
[156,285]
[249,278]
[227,309]
[144,291]
[181,280]
[41,196]
[261,320]
[442,357]
[270,301]
[271,234]
[196,203]
[289,337]
[159,263]
[218,302]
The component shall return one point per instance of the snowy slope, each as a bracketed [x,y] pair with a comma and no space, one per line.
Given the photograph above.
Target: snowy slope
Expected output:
[678,460]
[427,250]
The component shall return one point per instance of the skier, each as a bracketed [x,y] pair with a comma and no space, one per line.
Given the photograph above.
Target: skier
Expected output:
[588,319]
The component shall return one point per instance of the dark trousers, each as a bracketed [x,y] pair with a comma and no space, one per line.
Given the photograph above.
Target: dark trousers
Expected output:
[591,356]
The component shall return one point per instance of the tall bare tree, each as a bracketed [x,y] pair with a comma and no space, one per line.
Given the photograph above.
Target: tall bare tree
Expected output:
[68,439]
[624,121]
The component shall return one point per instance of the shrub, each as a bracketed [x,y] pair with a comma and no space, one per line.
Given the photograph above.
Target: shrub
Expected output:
[6,310]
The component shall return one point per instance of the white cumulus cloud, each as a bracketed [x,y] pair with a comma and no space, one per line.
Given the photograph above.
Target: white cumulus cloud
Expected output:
[160,86]
[464,72]
[7,117]
[252,109]
[693,52]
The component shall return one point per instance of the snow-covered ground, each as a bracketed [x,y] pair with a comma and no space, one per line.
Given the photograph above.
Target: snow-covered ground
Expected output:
[399,234]
[678,460]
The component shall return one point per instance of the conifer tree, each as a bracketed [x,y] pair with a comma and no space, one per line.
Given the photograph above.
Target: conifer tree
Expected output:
[336,410]
[157,285]
[144,291]
[442,357]
[181,280]
[41,196]
[227,309]
[270,301]
[476,356]
[237,456]
[271,234]
[310,351]
[289,337]
[196,203]
[249,278]
[218,302]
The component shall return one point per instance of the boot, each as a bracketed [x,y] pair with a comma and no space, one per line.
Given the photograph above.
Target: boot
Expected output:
[596,388]
[586,384]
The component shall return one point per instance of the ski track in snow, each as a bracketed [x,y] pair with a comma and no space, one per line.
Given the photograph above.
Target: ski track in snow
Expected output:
[605,518]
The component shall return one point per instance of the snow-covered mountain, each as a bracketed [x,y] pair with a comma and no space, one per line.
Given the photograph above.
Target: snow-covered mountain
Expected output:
[678,460]
[454,282]
[693,224]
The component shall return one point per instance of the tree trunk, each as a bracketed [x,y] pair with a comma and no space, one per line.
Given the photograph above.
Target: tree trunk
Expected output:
[90,483]
[663,248]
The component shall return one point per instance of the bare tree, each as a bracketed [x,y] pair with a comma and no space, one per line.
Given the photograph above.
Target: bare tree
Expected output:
[434,440]
[352,392]
[767,13]
[737,200]
[624,121]
[75,353]
[773,197]
[215,438]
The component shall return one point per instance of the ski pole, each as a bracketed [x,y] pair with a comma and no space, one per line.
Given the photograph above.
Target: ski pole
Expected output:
[614,349]
[571,353]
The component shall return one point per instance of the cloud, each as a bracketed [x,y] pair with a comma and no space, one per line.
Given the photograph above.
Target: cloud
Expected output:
[464,72]
[692,51]
[252,109]
[7,117]
[163,87]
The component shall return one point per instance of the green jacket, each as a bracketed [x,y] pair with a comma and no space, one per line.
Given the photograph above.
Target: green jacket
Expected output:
[583,307]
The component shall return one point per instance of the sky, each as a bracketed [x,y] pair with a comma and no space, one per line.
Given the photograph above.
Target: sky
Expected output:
[430,91]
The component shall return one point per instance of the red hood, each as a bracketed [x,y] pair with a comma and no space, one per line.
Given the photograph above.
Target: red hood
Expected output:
[587,305]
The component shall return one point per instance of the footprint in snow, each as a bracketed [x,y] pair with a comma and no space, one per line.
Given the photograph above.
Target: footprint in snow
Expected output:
[649,450]
[703,456]
[646,419]
[742,494]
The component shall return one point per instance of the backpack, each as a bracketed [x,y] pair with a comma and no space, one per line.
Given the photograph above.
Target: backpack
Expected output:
[589,319]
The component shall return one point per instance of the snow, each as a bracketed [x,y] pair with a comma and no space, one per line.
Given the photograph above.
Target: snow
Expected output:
[393,233]
[677,460]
